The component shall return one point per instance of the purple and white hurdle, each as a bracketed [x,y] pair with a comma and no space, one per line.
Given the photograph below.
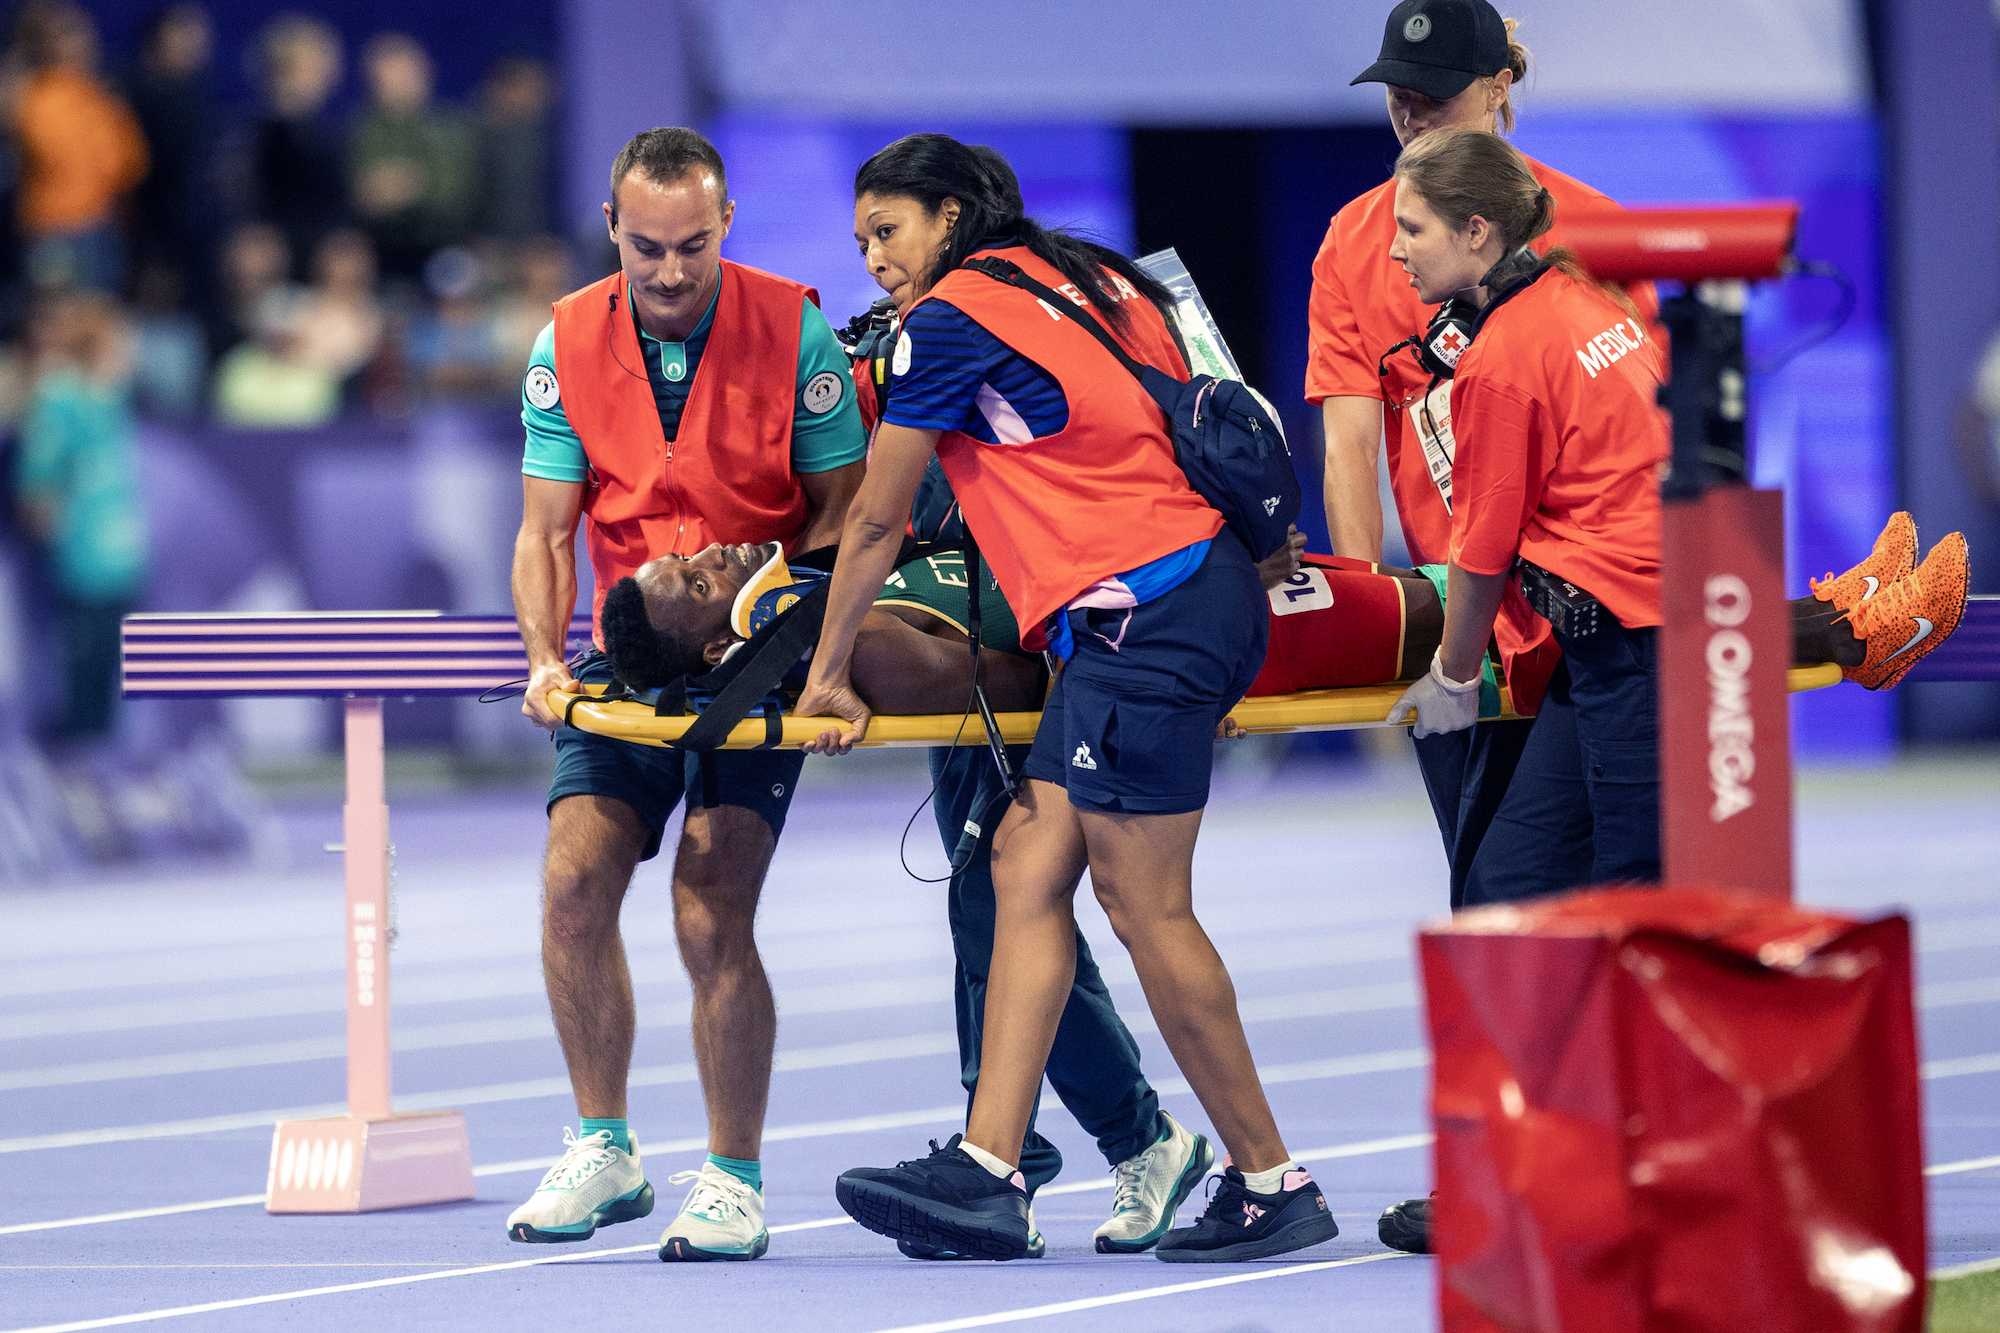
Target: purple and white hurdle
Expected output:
[372,1157]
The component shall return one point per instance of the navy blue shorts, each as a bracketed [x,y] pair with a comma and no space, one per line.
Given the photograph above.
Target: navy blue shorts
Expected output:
[654,781]
[1129,727]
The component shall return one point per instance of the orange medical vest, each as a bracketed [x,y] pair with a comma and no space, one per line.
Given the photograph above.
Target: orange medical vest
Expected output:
[727,476]
[1101,496]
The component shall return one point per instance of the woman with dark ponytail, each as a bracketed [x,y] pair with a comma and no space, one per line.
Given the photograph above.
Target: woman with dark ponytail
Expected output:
[1064,471]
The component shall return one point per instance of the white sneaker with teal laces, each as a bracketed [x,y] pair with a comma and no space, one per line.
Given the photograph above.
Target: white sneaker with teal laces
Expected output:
[1150,1187]
[594,1185]
[721,1218]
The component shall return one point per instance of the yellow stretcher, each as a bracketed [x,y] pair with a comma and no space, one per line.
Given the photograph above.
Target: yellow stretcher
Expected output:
[1308,710]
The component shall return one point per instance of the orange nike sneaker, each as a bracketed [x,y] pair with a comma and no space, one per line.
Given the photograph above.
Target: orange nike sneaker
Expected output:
[1895,555]
[1908,618]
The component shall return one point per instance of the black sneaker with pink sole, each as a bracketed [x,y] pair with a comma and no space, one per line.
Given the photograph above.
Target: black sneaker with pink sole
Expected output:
[1241,1224]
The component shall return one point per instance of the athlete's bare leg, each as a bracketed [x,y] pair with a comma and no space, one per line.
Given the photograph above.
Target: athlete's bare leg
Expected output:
[1820,630]
[594,844]
[1141,867]
[718,876]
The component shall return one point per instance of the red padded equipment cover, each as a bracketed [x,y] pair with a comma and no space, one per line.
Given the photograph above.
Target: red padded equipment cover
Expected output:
[1675,1111]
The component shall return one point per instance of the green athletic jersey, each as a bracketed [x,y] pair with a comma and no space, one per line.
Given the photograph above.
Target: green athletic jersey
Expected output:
[937,584]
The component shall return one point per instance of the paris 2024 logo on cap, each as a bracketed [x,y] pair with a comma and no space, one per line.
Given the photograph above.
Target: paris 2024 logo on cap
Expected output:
[1417,27]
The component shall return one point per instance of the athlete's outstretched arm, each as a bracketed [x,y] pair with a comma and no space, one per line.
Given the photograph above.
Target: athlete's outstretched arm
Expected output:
[868,545]
[1353,495]
[899,669]
[545,587]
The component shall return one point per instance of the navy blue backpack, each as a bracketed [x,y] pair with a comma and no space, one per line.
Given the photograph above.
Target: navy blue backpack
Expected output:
[1232,452]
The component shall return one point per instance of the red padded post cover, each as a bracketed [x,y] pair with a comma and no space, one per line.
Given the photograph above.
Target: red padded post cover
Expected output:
[1675,1111]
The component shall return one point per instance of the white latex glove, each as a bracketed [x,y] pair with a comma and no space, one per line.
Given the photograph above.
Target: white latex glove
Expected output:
[1440,703]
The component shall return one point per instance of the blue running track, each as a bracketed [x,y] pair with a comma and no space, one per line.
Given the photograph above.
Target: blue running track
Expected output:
[153,1026]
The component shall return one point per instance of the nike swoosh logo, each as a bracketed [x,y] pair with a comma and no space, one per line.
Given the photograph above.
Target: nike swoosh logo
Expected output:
[1874,586]
[1915,639]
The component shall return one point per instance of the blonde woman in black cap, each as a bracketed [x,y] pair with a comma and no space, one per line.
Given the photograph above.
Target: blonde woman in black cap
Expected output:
[1444,64]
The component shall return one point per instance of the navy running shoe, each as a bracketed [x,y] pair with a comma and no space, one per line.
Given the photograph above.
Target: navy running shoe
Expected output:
[1037,1247]
[943,1202]
[1406,1226]
[1241,1224]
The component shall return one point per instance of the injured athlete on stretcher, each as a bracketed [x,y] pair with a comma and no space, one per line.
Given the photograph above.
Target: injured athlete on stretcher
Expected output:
[1336,623]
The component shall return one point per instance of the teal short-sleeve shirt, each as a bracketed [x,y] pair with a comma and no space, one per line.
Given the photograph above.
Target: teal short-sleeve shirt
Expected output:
[826,420]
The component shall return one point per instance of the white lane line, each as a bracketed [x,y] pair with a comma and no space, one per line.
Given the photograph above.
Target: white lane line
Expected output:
[172,1129]
[1975,933]
[1964,1064]
[863,1124]
[1122,1297]
[422,985]
[646,1076]
[1366,1148]
[436,1036]
[297,1001]
[811,1000]
[147,1316]
[1339,1066]
[132,1214]
[930,1115]
[477,1032]
[1965,1270]
[1958,1168]
[1337,1150]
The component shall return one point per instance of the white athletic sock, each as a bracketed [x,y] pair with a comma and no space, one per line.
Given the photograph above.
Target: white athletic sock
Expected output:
[986,1159]
[1268,1182]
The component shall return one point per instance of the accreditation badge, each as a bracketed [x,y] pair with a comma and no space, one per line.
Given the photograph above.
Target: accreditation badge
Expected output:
[1430,418]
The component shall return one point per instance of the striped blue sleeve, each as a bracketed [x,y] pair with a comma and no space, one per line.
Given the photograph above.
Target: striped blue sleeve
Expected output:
[826,420]
[937,384]
[960,377]
[553,451]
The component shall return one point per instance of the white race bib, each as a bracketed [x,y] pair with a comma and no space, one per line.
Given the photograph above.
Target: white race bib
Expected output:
[1306,590]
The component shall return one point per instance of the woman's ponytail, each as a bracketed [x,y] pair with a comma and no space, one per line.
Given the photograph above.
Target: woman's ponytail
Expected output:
[1544,216]
[1518,58]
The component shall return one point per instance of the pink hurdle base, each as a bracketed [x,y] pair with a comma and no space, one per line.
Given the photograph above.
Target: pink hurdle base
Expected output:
[371,1157]
[359,1164]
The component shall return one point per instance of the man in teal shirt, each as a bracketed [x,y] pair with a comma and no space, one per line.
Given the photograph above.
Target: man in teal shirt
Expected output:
[590,442]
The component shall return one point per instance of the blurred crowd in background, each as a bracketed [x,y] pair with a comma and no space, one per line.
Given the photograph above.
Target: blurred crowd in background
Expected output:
[275,267]
[344,262]
[281,266]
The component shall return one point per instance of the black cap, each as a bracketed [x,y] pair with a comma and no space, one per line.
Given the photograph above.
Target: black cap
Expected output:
[1438,47]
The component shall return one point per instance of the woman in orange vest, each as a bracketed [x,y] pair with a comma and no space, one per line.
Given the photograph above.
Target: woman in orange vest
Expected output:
[1065,473]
